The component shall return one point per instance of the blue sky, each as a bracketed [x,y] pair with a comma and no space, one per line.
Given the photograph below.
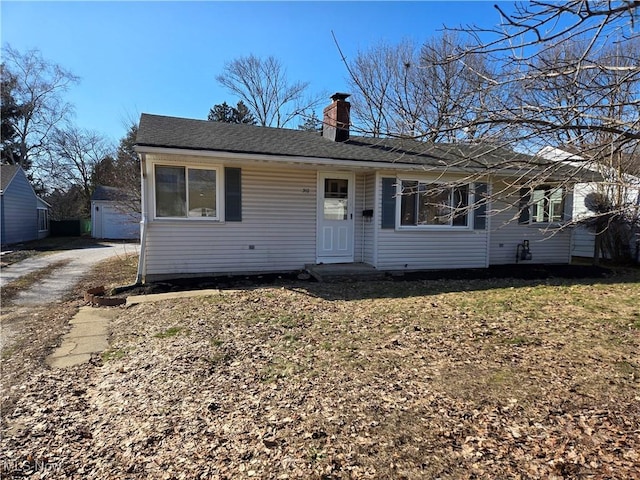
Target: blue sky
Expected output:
[163,57]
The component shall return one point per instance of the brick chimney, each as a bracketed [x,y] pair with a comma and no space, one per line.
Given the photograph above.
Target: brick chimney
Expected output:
[335,124]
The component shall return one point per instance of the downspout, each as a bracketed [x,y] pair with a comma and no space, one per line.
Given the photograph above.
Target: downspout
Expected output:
[377,203]
[487,219]
[364,205]
[143,220]
[143,240]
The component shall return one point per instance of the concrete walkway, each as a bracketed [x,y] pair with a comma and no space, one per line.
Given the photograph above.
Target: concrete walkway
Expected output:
[89,334]
[90,328]
[158,297]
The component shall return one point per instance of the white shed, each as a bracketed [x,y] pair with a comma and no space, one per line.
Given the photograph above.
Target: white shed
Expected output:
[113,214]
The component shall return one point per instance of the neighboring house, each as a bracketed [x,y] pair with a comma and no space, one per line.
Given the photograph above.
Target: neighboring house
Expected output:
[220,198]
[23,215]
[114,214]
[583,238]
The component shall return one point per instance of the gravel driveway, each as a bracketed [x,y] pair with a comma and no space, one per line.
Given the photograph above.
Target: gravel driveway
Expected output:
[52,289]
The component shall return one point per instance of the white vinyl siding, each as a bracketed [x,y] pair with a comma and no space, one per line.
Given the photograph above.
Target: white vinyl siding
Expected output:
[358,231]
[429,249]
[277,231]
[551,246]
[583,242]
[369,224]
[418,250]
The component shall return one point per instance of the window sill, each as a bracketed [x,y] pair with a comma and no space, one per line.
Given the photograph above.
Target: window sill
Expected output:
[545,224]
[431,228]
[192,219]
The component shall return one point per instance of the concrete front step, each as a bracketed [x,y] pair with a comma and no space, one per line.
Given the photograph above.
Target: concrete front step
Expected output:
[344,272]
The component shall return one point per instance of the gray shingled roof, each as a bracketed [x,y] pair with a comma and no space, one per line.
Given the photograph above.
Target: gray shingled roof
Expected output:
[105,193]
[182,133]
[7,172]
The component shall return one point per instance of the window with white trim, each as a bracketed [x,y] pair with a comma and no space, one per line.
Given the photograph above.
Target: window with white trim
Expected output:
[43,219]
[433,204]
[542,204]
[186,192]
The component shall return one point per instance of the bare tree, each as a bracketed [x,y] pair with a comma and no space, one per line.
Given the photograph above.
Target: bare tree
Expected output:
[552,77]
[427,93]
[563,61]
[37,89]
[573,70]
[458,91]
[121,170]
[374,76]
[263,86]
[545,24]
[73,156]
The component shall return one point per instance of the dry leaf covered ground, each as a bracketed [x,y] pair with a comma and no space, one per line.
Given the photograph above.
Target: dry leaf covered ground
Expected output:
[422,379]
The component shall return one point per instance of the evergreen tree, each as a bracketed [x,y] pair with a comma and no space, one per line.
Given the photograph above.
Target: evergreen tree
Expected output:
[311,124]
[104,172]
[127,165]
[126,156]
[221,113]
[228,114]
[243,115]
[9,113]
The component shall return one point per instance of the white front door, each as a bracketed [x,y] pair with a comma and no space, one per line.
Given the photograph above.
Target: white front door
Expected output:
[335,218]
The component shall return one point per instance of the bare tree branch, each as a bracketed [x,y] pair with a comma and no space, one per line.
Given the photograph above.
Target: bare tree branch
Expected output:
[262,84]
[37,93]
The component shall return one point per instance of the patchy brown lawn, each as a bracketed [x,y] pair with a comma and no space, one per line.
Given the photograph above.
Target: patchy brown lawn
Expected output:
[437,379]
[30,333]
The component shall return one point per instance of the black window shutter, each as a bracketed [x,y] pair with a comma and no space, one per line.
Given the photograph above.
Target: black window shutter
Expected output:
[232,195]
[480,212]
[525,198]
[388,203]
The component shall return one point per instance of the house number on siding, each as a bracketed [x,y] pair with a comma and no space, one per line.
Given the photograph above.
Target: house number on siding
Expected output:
[305,190]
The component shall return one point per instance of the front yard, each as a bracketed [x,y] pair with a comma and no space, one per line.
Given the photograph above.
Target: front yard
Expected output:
[422,379]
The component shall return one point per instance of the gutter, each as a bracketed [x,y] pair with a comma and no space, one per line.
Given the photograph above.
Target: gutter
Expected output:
[315,161]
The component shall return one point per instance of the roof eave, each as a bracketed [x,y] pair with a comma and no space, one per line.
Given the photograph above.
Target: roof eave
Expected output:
[8,182]
[43,201]
[320,161]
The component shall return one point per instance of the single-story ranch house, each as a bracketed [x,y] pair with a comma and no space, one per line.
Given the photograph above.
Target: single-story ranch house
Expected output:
[221,198]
